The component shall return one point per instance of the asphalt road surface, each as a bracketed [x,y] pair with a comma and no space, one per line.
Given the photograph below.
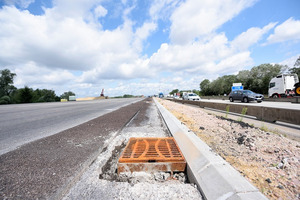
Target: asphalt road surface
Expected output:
[24,123]
[44,168]
[75,158]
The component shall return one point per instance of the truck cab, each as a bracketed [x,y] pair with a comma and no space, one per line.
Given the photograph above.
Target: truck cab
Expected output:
[283,85]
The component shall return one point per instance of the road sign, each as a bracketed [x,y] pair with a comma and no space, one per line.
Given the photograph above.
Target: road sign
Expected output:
[233,88]
[236,84]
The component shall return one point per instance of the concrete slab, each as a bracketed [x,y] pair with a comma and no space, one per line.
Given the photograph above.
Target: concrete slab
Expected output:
[215,178]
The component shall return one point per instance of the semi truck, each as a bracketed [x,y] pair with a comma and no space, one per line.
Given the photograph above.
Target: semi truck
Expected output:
[284,85]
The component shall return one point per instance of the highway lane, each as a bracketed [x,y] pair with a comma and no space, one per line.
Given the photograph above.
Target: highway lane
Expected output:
[23,123]
[286,105]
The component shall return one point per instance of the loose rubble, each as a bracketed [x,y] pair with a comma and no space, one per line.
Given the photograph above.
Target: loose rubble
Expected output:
[268,160]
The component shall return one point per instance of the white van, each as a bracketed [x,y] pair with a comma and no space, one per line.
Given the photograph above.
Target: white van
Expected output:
[190,96]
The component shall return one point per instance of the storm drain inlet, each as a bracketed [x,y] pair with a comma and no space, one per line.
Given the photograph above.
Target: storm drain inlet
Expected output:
[151,155]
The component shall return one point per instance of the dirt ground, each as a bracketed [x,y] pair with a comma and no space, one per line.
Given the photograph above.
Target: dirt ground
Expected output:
[268,160]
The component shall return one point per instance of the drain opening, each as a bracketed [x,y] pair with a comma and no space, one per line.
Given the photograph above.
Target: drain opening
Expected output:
[110,172]
[150,155]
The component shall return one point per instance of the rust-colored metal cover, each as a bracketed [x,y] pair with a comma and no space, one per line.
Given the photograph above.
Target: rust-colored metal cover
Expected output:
[151,154]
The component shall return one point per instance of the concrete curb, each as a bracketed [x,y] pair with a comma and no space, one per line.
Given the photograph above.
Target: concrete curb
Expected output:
[215,178]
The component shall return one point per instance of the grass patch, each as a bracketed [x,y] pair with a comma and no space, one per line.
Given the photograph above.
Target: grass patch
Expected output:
[227,111]
[264,128]
[244,111]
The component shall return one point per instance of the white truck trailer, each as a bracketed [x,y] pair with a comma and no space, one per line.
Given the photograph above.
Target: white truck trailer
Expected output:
[284,85]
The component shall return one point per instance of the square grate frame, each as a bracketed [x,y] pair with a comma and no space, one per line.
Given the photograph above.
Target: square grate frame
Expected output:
[151,154]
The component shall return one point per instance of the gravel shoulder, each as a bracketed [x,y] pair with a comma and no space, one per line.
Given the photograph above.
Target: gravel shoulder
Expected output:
[268,160]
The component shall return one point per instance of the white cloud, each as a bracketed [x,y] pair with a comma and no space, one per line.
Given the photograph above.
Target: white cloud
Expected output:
[211,57]
[234,63]
[68,43]
[162,9]
[70,37]
[100,11]
[142,33]
[288,30]
[194,19]
[251,36]
[36,76]
[72,8]
[20,3]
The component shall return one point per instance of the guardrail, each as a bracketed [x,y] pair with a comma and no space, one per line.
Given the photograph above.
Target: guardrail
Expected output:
[267,114]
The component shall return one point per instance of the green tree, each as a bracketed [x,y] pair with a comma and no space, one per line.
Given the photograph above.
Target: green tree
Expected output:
[5,100]
[44,95]
[296,68]
[297,63]
[245,78]
[66,95]
[196,92]
[205,87]
[227,82]
[257,79]
[222,85]
[174,91]
[24,95]
[127,96]
[216,86]
[261,75]
[6,82]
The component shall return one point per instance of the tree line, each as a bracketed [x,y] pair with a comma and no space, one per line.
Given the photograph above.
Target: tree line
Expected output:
[257,79]
[9,94]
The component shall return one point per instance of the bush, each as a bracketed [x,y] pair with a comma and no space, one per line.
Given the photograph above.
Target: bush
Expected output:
[5,100]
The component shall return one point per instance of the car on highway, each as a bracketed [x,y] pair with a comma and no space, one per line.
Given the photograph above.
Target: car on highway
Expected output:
[245,96]
[190,96]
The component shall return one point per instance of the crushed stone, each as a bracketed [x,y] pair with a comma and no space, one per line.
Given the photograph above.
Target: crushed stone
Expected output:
[268,160]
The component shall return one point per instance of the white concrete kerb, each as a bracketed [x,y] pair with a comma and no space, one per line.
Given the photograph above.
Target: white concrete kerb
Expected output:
[216,179]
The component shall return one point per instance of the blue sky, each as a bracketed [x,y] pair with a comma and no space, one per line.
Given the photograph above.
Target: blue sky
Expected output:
[142,46]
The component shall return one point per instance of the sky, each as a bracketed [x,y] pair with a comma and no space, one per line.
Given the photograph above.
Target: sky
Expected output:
[142,47]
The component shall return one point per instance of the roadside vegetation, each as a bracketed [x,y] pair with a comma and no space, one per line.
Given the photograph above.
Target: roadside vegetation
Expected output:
[257,80]
[9,94]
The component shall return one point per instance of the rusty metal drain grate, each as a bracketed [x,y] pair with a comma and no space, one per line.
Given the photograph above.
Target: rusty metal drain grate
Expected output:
[151,154]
